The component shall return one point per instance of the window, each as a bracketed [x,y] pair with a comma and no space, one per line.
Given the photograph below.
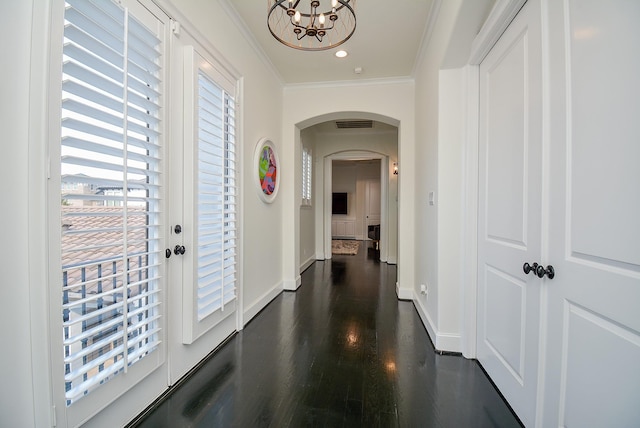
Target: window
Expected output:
[216,198]
[211,292]
[307,161]
[110,194]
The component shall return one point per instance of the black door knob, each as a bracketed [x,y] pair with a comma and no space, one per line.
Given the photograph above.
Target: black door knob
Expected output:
[177,229]
[527,268]
[179,250]
[549,271]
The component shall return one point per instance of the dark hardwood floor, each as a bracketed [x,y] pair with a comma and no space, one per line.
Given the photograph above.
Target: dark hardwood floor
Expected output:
[342,351]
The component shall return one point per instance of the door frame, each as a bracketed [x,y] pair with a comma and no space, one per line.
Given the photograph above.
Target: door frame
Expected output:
[497,22]
[384,195]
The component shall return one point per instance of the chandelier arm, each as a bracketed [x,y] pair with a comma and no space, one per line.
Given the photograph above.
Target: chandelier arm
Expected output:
[302,27]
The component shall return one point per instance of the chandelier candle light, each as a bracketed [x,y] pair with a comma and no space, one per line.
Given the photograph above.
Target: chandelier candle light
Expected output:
[312,31]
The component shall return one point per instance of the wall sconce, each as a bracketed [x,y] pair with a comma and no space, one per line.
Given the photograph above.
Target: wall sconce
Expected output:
[395,168]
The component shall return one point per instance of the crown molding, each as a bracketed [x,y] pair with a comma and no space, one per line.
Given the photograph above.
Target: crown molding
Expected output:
[350,83]
[434,11]
[249,37]
[499,19]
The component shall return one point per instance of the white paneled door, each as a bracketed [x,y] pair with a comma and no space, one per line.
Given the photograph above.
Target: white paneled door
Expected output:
[509,217]
[593,340]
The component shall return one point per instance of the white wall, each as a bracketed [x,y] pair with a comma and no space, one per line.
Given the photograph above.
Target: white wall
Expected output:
[441,129]
[387,101]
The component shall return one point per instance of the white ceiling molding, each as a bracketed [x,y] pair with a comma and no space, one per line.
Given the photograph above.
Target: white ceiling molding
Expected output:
[434,11]
[499,19]
[239,23]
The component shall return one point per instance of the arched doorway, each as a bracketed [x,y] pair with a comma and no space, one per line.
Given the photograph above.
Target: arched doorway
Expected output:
[333,138]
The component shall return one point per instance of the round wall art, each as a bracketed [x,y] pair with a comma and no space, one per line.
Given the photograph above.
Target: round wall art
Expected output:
[267,169]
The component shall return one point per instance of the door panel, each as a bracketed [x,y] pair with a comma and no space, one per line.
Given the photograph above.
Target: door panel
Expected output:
[509,216]
[203,277]
[372,205]
[504,319]
[593,351]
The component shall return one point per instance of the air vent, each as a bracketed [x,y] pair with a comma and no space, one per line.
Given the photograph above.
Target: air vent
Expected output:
[354,124]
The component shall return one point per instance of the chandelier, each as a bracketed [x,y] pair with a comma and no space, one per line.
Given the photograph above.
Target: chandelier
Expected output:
[317,28]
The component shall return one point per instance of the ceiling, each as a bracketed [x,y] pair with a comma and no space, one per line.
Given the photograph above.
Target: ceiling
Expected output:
[386,43]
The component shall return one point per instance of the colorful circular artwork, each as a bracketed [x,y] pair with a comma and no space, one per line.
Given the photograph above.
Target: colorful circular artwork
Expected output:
[268,170]
[266,161]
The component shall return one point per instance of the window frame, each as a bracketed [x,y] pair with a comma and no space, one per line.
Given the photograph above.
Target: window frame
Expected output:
[307,177]
[197,61]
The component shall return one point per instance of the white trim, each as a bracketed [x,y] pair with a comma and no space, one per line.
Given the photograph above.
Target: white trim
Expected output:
[434,11]
[38,166]
[470,214]
[426,319]
[261,303]
[384,196]
[292,285]
[497,22]
[351,83]
[543,335]
[307,263]
[448,342]
[240,318]
[404,293]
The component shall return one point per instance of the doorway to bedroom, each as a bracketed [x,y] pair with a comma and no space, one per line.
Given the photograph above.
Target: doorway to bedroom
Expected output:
[355,206]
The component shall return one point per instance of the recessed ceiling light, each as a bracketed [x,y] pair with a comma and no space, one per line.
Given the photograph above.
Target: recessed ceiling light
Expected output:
[341,54]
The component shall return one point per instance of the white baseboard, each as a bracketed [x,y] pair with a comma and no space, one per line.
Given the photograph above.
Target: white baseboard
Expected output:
[446,342]
[307,263]
[261,303]
[403,293]
[290,285]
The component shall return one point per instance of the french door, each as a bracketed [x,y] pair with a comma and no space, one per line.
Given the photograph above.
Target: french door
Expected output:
[107,206]
[144,201]
[510,213]
[566,332]
[593,340]
[204,273]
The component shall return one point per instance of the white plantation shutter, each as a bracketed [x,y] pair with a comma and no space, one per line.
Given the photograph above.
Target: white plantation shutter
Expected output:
[210,290]
[216,197]
[110,158]
[306,176]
